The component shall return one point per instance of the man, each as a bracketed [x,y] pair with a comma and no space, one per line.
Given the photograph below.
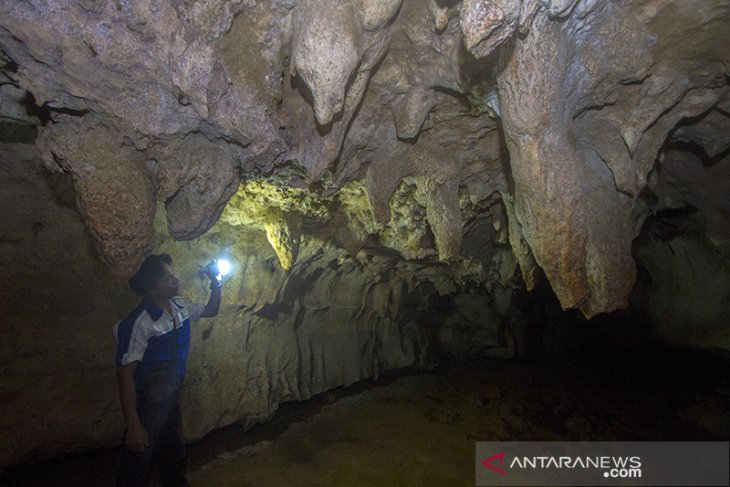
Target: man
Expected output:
[153,343]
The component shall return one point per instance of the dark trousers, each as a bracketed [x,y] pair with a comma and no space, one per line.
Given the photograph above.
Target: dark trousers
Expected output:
[163,424]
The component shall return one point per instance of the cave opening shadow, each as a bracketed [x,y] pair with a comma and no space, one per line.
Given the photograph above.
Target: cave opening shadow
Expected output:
[618,349]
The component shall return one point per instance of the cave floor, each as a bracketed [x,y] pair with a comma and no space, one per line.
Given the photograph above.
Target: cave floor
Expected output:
[419,428]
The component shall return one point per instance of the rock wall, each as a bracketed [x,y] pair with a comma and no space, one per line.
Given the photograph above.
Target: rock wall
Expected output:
[58,302]
[383,173]
[686,280]
[332,318]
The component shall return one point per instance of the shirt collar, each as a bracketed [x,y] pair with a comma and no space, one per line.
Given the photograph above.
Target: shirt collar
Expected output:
[156,312]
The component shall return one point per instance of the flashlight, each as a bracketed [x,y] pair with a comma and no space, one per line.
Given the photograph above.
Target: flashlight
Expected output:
[220,267]
[224,267]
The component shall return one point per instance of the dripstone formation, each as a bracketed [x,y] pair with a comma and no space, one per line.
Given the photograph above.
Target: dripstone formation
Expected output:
[363,163]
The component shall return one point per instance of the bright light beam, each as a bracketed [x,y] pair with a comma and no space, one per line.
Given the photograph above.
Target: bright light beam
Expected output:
[224,267]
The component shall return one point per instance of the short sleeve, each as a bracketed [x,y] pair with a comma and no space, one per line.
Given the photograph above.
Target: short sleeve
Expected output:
[131,342]
[194,309]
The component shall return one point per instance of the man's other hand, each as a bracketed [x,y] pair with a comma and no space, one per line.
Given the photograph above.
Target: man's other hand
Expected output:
[135,439]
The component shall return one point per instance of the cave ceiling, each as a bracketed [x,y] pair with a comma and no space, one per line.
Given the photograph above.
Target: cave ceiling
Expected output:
[433,128]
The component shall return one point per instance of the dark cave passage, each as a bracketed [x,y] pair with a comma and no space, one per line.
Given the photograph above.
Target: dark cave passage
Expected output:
[419,427]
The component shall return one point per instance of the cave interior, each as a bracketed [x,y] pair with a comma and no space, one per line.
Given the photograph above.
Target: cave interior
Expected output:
[448,222]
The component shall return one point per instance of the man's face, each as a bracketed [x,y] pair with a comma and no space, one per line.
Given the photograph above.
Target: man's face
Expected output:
[167,286]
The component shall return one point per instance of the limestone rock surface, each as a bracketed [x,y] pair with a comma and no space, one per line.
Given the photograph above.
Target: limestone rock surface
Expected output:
[114,191]
[384,174]
[585,97]
[300,314]
[586,104]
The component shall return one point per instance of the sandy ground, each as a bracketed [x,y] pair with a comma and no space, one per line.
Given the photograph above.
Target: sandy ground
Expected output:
[420,429]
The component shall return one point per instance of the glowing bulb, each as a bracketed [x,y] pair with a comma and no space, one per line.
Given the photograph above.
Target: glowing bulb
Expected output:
[224,267]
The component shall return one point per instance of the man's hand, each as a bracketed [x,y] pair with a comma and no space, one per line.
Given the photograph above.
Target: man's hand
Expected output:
[211,270]
[214,302]
[135,439]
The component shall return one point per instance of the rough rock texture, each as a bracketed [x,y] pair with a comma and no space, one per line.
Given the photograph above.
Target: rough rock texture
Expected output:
[57,300]
[151,73]
[364,163]
[685,280]
[196,179]
[385,90]
[114,192]
[331,318]
[693,169]
[584,116]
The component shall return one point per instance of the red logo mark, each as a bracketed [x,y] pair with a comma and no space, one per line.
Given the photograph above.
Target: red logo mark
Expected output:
[487,463]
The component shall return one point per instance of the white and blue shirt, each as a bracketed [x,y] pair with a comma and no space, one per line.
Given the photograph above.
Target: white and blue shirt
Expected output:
[146,336]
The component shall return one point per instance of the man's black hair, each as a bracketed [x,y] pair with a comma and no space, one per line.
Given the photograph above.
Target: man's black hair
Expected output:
[149,272]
